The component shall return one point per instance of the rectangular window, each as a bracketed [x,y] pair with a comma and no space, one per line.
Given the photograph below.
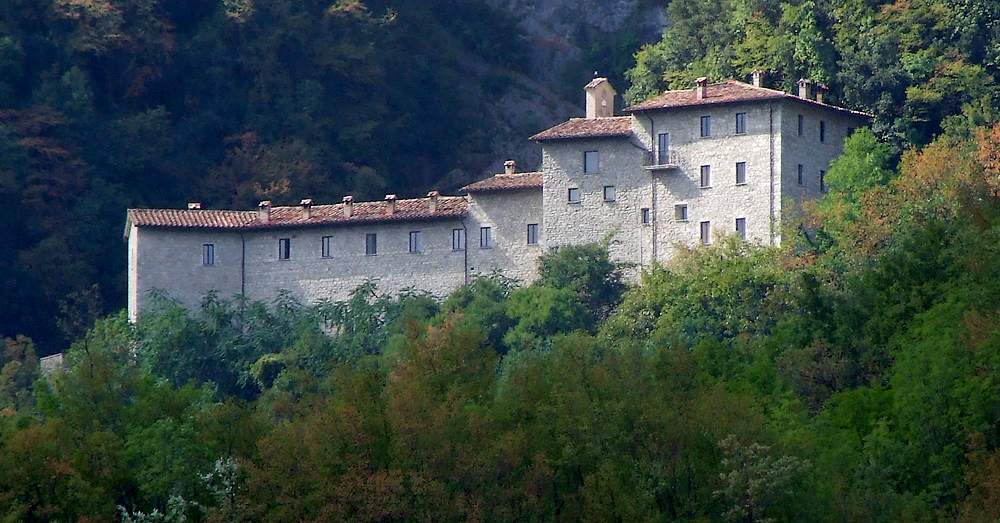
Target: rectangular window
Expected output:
[416,242]
[801,179]
[741,173]
[371,244]
[663,149]
[591,162]
[645,216]
[573,195]
[741,123]
[681,212]
[801,124]
[485,238]
[208,254]
[609,193]
[706,176]
[325,246]
[532,234]
[284,248]
[706,126]
[741,227]
[822,131]
[458,239]
[706,232]
[822,181]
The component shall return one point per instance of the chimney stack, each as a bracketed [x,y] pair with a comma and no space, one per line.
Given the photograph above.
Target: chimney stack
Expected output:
[194,206]
[758,78]
[348,206]
[390,200]
[701,88]
[600,98]
[306,208]
[264,211]
[432,201]
[821,90]
[509,167]
[805,88]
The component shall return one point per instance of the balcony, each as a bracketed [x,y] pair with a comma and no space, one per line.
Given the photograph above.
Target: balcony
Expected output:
[661,160]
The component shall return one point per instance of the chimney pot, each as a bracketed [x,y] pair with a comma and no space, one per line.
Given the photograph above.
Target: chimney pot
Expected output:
[432,200]
[390,199]
[306,204]
[348,206]
[194,206]
[821,90]
[805,88]
[701,88]
[509,167]
[758,78]
[264,211]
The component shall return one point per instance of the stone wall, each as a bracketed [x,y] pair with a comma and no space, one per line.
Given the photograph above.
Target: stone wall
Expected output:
[508,214]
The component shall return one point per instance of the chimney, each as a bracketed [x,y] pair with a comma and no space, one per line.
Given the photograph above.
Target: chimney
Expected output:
[821,90]
[194,206]
[758,78]
[264,211]
[306,208]
[600,98]
[432,201]
[701,88]
[390,200]
[509,167]
[348,206]
[805,86]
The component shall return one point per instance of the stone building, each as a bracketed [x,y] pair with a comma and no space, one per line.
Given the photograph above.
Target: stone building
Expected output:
[679,169]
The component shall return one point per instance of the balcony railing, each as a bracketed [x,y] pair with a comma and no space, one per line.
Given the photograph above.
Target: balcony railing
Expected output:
[667,159]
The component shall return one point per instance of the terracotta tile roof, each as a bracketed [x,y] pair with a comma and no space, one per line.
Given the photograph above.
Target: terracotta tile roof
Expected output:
[730,91]
[613,126]
[363,212]
[506,182]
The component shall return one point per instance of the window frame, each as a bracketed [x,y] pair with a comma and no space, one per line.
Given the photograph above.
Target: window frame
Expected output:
[741,123]
[681,212]
[284,249]
[416,242]
[458,240]
[645,216]
[569,195]
[705,126]
[705,177]
[208,254]
[801,124]
[741,232]
[822,131]
[705,232]
[533,234]
[801,174]
[485,237]
[596,168]
[371,244]
[326,247]
[740,165]
[614,194]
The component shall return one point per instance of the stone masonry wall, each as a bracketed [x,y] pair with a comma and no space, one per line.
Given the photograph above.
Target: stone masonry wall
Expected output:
[508,214]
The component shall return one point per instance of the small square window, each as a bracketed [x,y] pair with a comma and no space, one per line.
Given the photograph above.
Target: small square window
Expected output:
[646,218]
[591,162]
[822,131]
[706,126]
[532,234]
[371,244]
[801,124]
[681,212]
[416,242]
[706,232]
[741,173]
[706,176]
[284,248]
[458,239]
[325,244]
[741,227]
[801,178]
[485,238]
[208,254]
[609,193]
[573,195]
[741,123]
[822,181]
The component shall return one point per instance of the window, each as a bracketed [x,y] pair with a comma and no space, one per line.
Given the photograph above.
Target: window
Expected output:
[485,238]
[532,234]
[822,181]
[822,131]
[741,227]
[416,242]
[325,246]
[371,244]
[706,126]
[801,180]
[458,239]
[609,193]
[706,232]
[663,149]
[284,248]
[801,123]
[741,173]
[591,162]
[741,123]
[208,254]
[681,212]
[706,176]
[573,195]
[645,216]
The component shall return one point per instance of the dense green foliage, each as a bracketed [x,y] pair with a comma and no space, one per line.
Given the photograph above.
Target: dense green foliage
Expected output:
[852,374]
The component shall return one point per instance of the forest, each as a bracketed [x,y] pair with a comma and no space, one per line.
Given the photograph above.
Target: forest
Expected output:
[850,374]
